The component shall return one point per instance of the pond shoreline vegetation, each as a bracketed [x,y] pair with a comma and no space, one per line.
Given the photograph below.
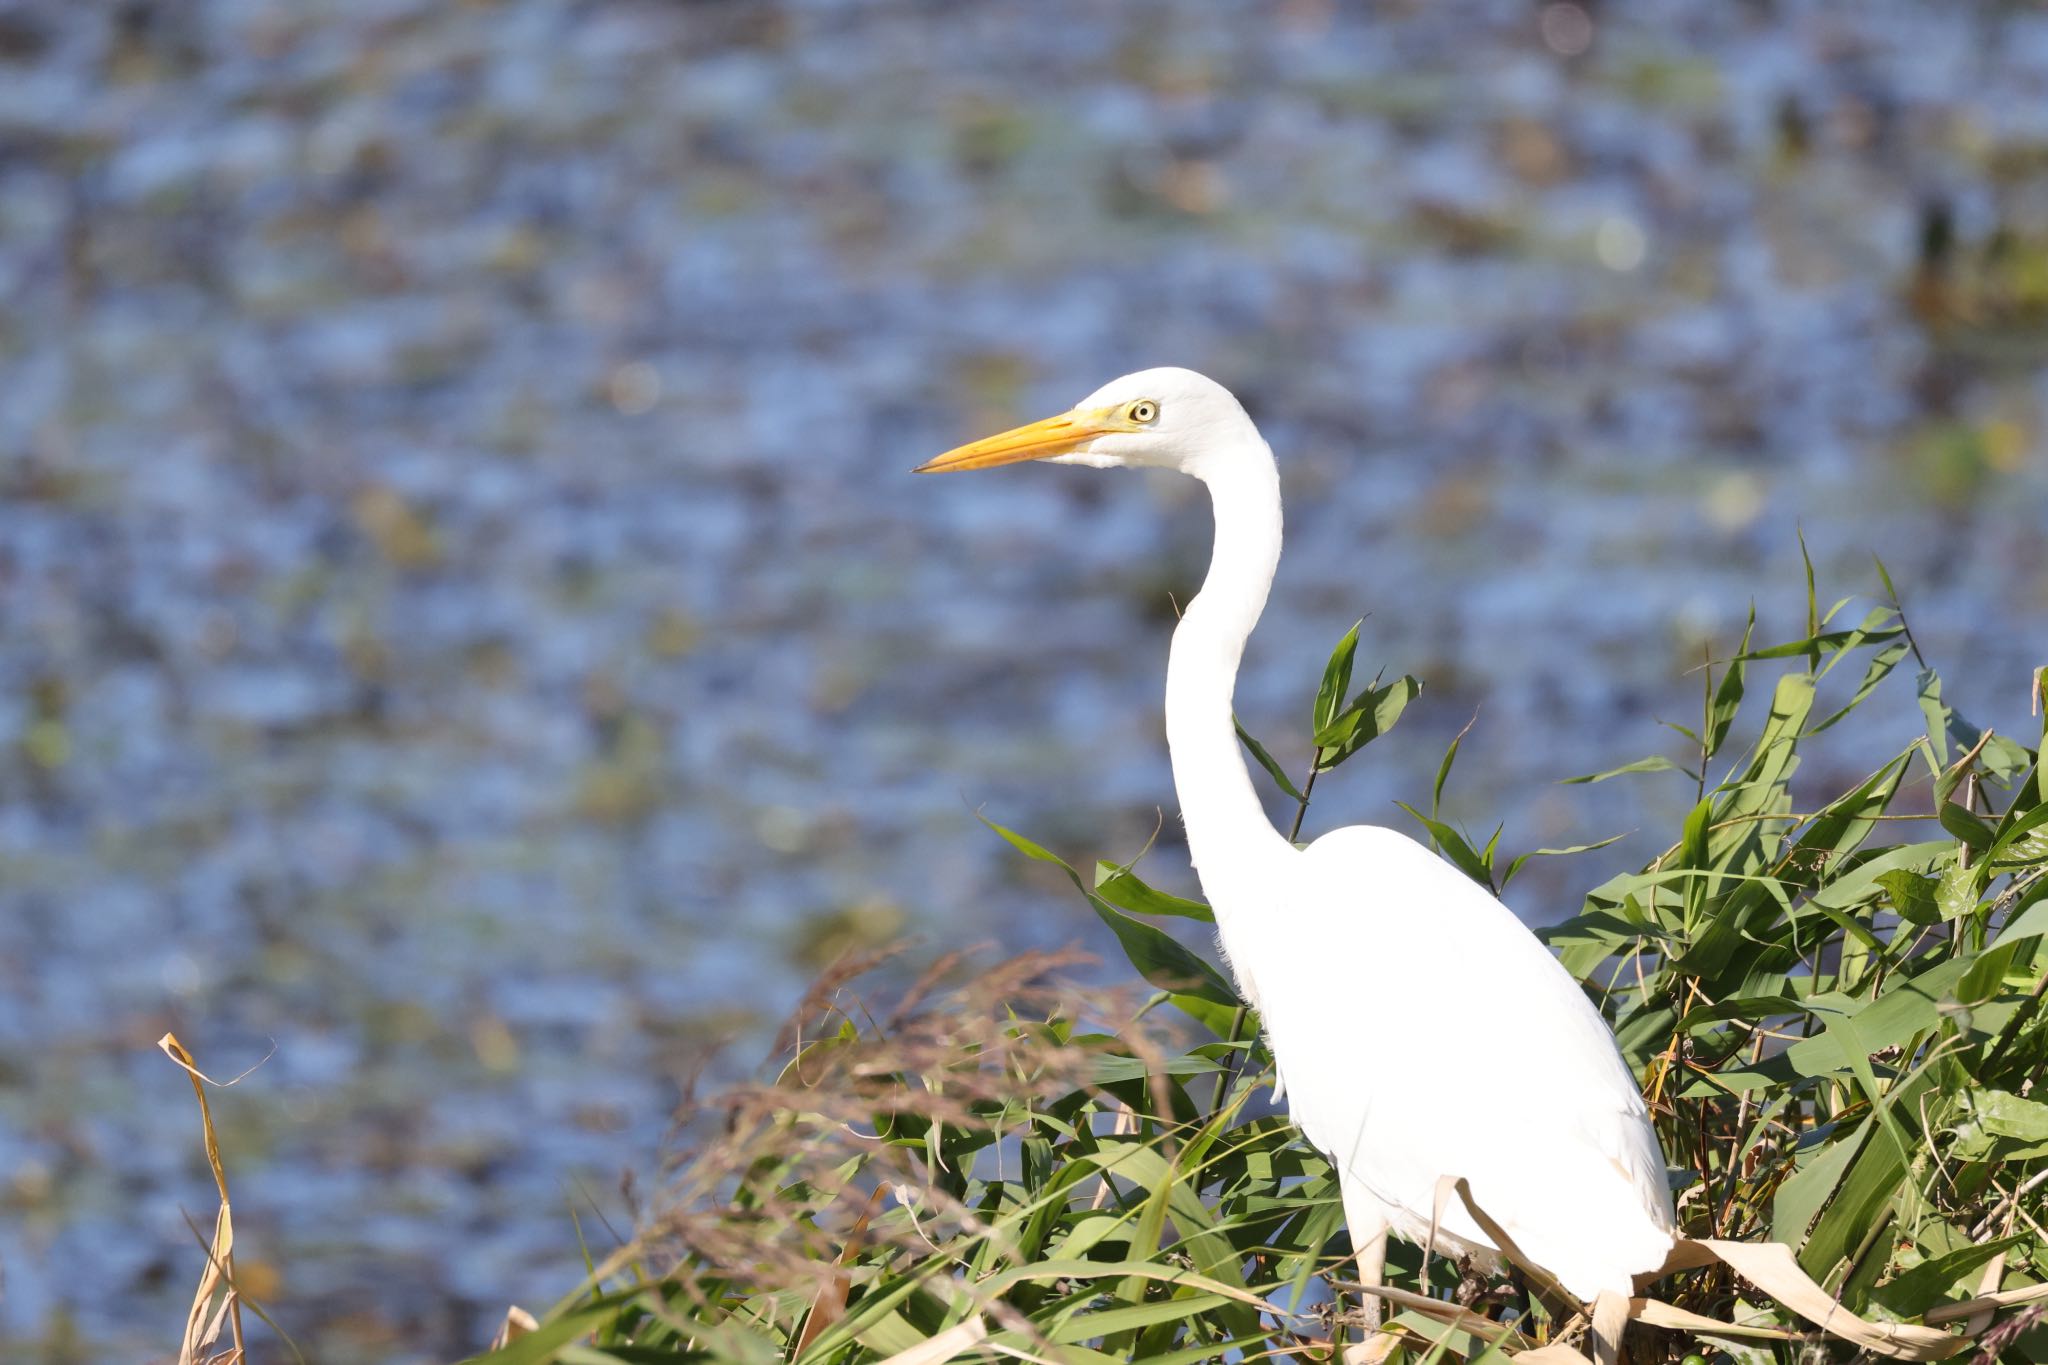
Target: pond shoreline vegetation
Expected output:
[1839,1032]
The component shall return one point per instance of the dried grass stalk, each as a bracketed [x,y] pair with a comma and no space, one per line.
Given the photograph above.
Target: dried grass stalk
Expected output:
[217,1301]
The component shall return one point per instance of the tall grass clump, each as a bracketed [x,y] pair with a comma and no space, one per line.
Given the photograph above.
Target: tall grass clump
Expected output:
[1832,1001]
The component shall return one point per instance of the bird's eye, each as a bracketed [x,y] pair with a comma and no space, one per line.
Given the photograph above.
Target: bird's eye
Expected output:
[1144,410]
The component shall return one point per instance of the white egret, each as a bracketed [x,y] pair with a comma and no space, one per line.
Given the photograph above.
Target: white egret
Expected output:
[1403,1003]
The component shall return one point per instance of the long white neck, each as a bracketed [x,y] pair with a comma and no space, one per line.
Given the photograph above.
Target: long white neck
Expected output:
[1233,846]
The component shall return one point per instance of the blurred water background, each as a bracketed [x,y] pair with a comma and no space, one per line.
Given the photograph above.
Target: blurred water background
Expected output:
[464,616]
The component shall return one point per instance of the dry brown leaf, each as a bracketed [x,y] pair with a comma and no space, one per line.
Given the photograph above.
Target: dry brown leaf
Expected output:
[1373,1349]
[1987,1283]
[1771,1267]
[943,1347]
[1553,1355]
[518,1322]
[1657,1313]
[1610,1317]
[1441,1310]
[829,1304]
[1948,1312]
[1540,1279]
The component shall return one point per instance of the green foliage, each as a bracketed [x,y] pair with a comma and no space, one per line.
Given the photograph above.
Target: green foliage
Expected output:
[1833,1003]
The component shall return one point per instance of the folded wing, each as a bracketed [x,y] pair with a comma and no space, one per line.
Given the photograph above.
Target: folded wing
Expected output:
[1422,1031]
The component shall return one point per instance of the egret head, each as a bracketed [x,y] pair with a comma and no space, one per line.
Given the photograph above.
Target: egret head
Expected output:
[1161,419]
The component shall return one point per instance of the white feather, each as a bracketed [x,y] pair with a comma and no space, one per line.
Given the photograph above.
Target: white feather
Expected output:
[1420,1030]
[1425,1032]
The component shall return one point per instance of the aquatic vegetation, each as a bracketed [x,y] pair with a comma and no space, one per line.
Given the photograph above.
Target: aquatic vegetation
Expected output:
[1832,1000]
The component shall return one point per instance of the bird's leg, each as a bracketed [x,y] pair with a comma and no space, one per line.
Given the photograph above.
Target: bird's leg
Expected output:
[1372,1271]
[1374,1345]
[1367,1224]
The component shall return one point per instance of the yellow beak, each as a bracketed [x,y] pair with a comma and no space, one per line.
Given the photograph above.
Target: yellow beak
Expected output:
[1036,441]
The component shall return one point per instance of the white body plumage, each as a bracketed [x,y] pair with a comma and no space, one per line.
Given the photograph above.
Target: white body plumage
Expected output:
[1421,1030]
